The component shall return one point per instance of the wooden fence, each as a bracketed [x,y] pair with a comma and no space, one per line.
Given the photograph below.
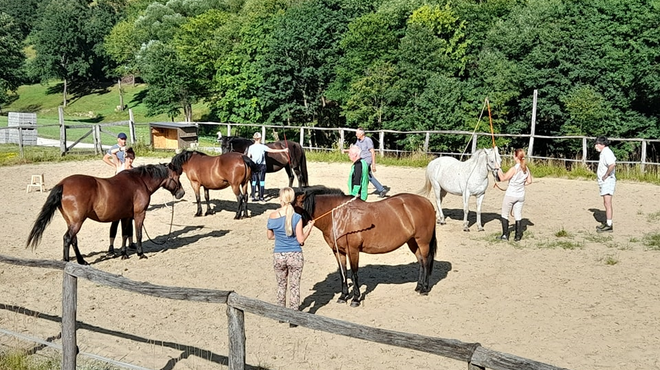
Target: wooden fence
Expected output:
[476,356]
[306,133]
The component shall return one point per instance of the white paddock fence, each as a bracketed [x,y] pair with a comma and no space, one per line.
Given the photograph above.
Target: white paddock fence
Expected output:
[305,136]
[476,356]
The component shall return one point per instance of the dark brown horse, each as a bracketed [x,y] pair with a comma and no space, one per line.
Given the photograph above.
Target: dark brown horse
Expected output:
[215,173]
[293,161]
[351,226]
[123,196]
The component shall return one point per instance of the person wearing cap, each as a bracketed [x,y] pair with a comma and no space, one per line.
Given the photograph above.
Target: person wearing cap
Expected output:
[368,154]
[257,152]
[127,235]
[115,155]
[606,180]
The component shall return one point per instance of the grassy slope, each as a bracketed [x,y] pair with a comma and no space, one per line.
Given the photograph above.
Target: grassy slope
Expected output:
[96,107]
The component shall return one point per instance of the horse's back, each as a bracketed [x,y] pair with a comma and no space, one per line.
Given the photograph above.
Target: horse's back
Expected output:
[92,197]
[455,177]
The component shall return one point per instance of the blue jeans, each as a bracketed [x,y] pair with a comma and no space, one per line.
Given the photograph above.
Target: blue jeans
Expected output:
[374,181]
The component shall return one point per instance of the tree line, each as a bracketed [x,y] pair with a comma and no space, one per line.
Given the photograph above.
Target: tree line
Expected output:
[379,64]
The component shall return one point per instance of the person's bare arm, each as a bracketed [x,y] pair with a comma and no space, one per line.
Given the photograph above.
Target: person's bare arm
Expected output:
[303,233]
[506,176]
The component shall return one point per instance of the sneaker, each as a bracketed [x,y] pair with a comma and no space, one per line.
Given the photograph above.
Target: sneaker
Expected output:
[601,226]
[254,199]
[605,229]
[504,237]
[383,192]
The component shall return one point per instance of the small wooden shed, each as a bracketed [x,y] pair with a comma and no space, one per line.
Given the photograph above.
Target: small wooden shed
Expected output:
[171,135]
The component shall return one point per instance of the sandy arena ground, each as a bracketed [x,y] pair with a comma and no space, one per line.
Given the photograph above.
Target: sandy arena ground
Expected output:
[592,307]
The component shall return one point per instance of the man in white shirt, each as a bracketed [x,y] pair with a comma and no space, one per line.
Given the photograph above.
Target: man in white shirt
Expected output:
[606,180]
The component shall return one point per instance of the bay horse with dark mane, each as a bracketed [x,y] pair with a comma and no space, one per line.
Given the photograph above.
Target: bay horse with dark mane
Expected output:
[216,173]
[293,161]
[351,226]
[121,197]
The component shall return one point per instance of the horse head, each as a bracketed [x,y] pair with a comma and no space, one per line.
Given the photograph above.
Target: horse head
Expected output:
[494,161]
[172,182]
[225,144]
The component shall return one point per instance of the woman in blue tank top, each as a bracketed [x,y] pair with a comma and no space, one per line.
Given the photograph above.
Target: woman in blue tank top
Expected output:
[285,227]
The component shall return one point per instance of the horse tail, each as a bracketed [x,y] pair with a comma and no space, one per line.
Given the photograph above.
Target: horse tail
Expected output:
[433,248]
[303,168]
[249,163]
[53,202]
[426,189]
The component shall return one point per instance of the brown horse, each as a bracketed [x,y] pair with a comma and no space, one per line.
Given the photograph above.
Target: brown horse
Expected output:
[351,226]
[215,173]
[293,161]
[123,196]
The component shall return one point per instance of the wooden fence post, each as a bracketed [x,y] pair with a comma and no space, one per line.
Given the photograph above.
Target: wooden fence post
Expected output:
[341,139]
[530,148]
[426,142]
[474,142]
[643,156]
[381,145]
[236,329]
[20,141]
[584,151]
[69,302]
[60,112]
[302,136]
[228,129]
[131,126]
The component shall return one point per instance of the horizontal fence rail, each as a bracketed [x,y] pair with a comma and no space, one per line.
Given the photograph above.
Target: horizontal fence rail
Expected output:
[343,136]
[476,356]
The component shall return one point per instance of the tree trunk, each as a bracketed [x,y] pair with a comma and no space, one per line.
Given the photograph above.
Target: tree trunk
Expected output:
[64,94]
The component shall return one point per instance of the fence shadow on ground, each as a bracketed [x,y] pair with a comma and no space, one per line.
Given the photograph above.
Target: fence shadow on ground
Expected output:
[370,277]
[186,350]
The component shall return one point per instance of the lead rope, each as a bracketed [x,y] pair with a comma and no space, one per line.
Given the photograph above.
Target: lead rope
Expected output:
[334,234]
[168,234]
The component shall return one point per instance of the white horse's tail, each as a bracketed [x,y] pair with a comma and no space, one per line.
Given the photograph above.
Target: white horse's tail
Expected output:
[426,190]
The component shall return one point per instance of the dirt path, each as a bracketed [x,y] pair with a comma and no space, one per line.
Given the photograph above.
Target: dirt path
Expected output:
[566,307]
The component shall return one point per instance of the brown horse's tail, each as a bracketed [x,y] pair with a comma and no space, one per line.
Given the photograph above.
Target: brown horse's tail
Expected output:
[45,216]
[433,248]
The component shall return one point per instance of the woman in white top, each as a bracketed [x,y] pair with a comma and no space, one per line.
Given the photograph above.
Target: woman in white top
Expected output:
[514,198]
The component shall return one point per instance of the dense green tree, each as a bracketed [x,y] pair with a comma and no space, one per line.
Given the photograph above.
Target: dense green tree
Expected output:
[300,61]
[173,87]
[11,57]
[68,40]
[23,12]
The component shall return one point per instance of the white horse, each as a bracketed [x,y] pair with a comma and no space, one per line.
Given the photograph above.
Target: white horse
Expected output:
[449,175]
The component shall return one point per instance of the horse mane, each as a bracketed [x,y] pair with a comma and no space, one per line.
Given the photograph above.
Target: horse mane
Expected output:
[309,202]
[152,170]
[180,159]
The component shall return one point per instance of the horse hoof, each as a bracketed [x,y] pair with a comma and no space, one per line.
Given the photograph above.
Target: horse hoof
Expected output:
[355,303]
[466,229]
[341,300]
[142,256]
[124,256]
[198,214]
[423,292]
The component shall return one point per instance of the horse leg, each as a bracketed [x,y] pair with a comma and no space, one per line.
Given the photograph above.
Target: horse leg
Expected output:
[439,196]
[289,172]
[354,258]
[341,261]
[466,201]
[480,199]
[197,199]
[79,257]
[414,248]
[209,211]
[239,210]
[139,221]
